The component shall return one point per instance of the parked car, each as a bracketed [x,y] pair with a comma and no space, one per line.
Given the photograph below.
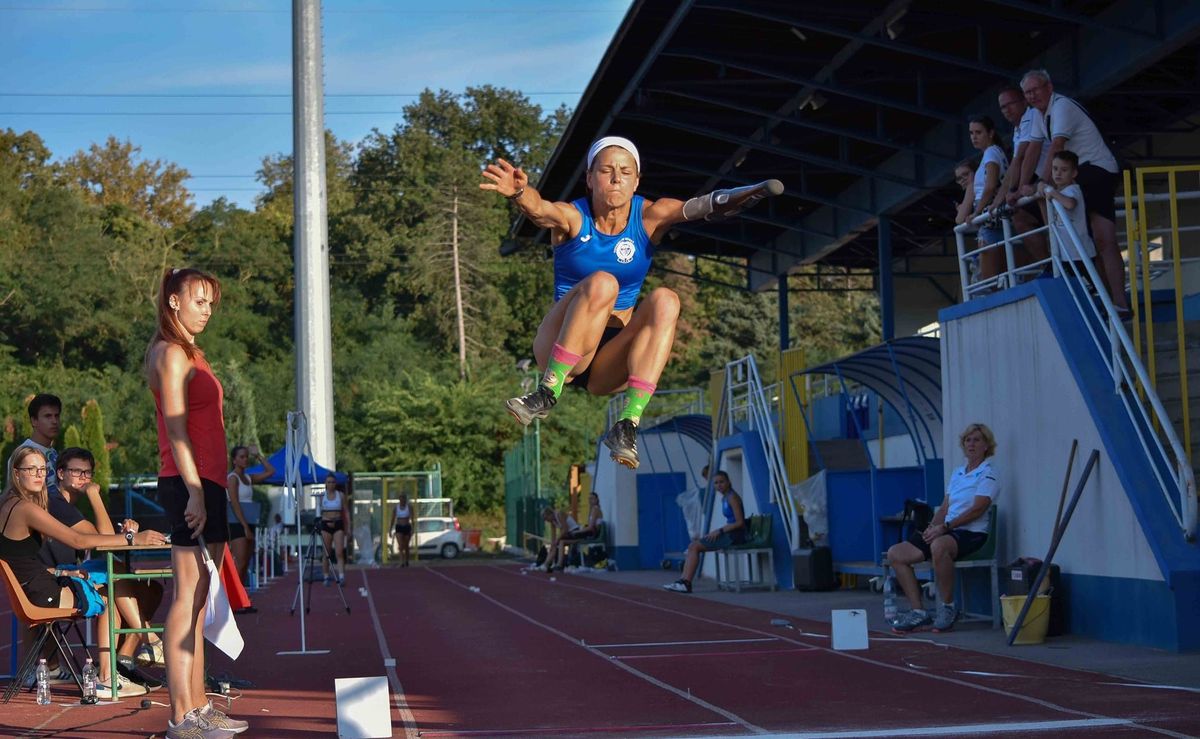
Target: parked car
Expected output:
[441,534]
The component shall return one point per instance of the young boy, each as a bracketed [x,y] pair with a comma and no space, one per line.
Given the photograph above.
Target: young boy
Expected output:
[1066,193]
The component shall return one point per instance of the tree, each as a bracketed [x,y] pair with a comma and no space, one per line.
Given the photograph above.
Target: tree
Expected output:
[241,415]
[111,174]
[93,439]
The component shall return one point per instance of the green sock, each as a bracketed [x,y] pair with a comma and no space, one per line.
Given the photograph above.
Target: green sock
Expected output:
[560,365]
[637,395]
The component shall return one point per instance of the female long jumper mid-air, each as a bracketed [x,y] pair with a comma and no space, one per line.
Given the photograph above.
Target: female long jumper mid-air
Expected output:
[594,337]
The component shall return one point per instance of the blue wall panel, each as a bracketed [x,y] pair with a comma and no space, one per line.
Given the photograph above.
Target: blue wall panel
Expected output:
[854,531]
[661,527]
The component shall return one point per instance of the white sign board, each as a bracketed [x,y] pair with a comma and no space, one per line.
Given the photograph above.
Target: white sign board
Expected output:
[363,707]
[849,630]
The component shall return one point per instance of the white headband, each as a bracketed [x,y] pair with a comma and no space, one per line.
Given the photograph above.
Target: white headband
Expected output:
[608,141]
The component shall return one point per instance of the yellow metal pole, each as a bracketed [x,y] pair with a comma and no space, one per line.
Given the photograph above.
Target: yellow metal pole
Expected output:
[1145,251]
[1176,262]
[1133,245]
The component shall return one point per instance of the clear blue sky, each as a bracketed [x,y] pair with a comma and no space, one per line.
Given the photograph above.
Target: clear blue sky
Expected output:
[65,62]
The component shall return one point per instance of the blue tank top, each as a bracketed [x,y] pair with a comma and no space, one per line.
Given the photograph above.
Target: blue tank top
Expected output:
[626,255]
[727,510]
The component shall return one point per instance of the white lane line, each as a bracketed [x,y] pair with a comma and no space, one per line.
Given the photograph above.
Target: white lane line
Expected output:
[582,730]
[676,643]
[675,655]
[614,662]
[868,660]
[968,729]
[406,715]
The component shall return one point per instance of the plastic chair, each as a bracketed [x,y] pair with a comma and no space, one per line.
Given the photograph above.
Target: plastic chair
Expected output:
[47,622]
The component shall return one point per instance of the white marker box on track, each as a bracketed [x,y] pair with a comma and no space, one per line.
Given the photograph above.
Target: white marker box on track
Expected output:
[363,707]
[849,630]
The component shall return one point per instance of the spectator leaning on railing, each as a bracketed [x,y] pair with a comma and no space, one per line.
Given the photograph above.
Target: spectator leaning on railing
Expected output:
[1029,216]
[1065,124]
[988,176]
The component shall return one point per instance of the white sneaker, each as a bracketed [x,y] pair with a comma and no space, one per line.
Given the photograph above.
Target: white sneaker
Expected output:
[125,689]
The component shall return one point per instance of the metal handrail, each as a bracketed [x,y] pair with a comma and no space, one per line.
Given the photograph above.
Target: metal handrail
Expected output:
[744,392]
[1122,353]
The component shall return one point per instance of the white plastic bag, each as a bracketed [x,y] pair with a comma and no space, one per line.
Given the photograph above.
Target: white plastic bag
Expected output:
[810,496]
[692,503]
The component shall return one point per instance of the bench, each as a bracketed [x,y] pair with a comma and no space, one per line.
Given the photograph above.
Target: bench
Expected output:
[598,538]
[985,558]
[752,552]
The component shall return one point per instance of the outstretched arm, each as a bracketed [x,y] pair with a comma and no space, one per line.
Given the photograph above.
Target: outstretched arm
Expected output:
[513,183]
[714,206]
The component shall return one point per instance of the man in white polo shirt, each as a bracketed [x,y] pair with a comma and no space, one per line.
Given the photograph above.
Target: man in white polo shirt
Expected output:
[1028,217]
[1065,124]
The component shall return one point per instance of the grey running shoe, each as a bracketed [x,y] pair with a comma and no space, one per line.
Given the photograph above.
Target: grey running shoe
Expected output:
[195,726]
[947,614]
[534,405]
[911,621]
[621,441]
[679,586]
[221,721]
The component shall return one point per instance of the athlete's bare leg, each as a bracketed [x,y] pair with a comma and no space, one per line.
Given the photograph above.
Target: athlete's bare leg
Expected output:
[641,349]
[577,322]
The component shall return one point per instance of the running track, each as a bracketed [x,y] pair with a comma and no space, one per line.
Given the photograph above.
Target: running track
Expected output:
[583,656]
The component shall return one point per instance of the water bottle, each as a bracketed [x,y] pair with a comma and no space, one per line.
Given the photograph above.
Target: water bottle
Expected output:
[889,599]
[43,683]
[89,684]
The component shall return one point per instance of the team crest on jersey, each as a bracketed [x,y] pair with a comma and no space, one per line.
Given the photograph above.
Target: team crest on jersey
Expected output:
[625,251]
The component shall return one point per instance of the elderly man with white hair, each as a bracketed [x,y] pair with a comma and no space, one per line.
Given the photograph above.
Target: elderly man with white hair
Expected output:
[1062,123]
[597,335]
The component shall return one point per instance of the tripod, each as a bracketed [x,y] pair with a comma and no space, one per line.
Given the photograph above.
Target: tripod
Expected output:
[314,536]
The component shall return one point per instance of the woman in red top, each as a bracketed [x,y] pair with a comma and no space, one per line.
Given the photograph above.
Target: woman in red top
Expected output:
[191,486]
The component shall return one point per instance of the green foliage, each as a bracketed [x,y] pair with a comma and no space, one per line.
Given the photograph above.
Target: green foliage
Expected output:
[94,441]
[105,223]
[71,437]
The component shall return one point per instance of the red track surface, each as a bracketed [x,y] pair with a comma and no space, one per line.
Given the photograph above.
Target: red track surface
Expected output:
[581,656]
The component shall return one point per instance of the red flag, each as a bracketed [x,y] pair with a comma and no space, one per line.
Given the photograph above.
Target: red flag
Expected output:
[238,597]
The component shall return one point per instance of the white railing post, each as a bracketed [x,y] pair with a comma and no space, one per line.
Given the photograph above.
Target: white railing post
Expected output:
[963,275]
[1010,261]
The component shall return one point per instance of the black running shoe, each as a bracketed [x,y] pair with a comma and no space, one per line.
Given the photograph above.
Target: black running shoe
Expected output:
[534,405]
[129,670]
[621,440]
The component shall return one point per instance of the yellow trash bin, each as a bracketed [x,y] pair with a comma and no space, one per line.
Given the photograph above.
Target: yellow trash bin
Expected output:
[1033,630]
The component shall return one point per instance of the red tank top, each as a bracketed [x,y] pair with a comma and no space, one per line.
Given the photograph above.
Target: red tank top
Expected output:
[205,426]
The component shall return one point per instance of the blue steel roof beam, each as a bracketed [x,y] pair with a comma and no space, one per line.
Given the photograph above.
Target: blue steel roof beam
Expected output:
[848,133]
[741,8]
[800,194]
[830,87]
[1057,13]
[783,151]
[1101,67]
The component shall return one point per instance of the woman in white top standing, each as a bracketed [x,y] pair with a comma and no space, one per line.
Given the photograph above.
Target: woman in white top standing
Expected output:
[335,521]
[240,488]
[988,176]
[404,521]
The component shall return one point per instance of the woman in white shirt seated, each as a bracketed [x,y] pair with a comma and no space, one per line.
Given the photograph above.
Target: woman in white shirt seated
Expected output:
[959,528]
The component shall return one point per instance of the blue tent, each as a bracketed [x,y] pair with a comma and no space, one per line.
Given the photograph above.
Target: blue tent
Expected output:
[311,473]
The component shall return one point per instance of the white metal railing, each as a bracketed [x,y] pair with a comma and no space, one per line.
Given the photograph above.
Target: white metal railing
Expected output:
[1130,379]
[747,402]
[1012,272]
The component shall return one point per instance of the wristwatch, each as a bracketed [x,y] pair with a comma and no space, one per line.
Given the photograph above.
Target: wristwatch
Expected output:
[129,538]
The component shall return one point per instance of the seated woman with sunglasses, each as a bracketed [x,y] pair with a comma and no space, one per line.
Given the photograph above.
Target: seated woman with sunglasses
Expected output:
[24,520]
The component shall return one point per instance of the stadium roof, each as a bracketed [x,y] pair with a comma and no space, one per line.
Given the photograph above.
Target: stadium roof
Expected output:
[859,107]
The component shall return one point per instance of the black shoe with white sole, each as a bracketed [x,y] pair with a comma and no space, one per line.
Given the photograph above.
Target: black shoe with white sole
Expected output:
[621,441]
[534,405]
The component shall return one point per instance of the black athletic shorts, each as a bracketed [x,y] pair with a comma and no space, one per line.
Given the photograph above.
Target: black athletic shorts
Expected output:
[237,532]
[969,542]
[173,495]
[1099,190]
[403,529]
[581,380]
[331,527]
[43,590]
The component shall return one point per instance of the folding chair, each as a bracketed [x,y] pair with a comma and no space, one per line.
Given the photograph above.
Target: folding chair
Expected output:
[47,621]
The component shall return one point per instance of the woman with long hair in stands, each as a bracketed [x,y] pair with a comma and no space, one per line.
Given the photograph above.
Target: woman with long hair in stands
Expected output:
[188,401]
[25,520]
[597,336]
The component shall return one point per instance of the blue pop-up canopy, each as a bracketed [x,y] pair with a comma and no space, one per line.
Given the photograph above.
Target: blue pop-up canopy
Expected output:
[311,473]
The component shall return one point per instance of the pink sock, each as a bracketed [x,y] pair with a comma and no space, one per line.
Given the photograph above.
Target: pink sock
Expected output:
[641,384]
[559,354]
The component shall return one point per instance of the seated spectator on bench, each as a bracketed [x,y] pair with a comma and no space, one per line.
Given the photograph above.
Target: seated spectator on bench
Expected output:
[137,600]
[731,534]
[561,524]
[571,535]
[25,520]
[958,529]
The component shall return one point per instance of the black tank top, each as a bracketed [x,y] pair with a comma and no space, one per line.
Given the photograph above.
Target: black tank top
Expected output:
[21,554]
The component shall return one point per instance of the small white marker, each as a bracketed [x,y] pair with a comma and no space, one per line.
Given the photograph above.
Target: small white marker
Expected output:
[554,579]
[389,662]
[473,589]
